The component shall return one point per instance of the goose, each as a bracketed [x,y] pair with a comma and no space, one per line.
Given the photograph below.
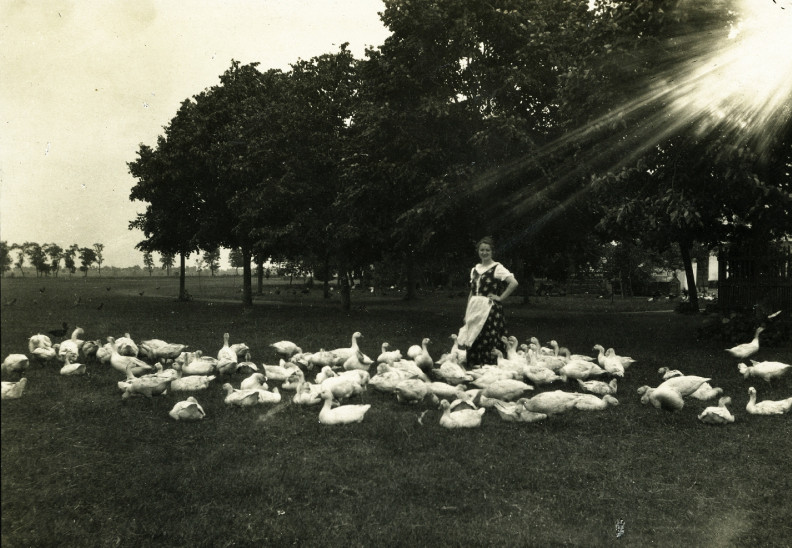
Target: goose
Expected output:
[598,387]
[590,402]
[247,366]
[764,370]
[356,361]
[423,359]
[46,354]
[706,392]
[293,381]
[187,410]
[307,394]
[413,391]
[198,365]
[239,349]
[323,358]
[68,348]
[582,370]
[143,386]
[256,381]
[279,372]
[226,358]
[490,374]
[325,373]
[685,385]
[343,414]
[411,368]
[444,390]
[552,403]
[124,364]
[612,364]
[286,349]
[542,350]
[103,353]
[240,398]
[75,337]
[516,411]
[157,349]
[267,396]
[506,389]
[39,341]
[668,373]
[452,373]
[342,387]
[511,343]
[662,397]
[566,355]
[514,366]
[72,368]
[746,350]
[190,383]
[626,361]
[414,351]
[545,360]
[343,354]
[767,407]
[717,414]
[90,348]
[13,390]
[126,346]
[360,377]
[387,380]
[456,354]
[388,356]
[463,418]
[15,363]
[541,375]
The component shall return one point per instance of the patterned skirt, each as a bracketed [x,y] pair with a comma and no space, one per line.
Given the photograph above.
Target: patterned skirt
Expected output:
[480,352]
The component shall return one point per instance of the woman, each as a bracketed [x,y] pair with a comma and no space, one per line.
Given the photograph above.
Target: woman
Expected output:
[490,284]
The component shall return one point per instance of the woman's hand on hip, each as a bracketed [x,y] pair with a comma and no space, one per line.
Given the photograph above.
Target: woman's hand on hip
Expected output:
[494,297]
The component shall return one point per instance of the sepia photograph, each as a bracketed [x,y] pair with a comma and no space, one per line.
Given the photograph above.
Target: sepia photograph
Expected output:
[396,273]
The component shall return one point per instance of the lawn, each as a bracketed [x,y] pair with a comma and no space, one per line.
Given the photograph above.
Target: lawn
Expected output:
[82,468]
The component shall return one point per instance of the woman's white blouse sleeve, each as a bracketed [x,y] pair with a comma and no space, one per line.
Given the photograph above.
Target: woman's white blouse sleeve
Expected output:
[501,272]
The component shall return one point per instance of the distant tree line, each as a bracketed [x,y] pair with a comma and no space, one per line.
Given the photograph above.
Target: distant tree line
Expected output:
[50,259]
[472,118]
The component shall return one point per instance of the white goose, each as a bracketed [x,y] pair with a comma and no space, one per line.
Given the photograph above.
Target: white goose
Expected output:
[717,414]
[247,366]
[123,364]
[190,383]
[280,372]
[552,403]
[506,389]
[144,386]
[267,396]
[198,364]
[256,381]
[413,391]
[517,412]
[667,373]
[240,398]
[13,390]
[706,392]
[590,402]
[15,363]
[286,349]
[342,388]
[187,410]
[764,370]
[453,373]
[39,341]
[598,387]
[307,394]
[767,407]
[388,356]
[463,418]
[126,346]
[423,359]
[72,368]
[226,358]
[357,361]
[343,414]
[343,354]
[746,350]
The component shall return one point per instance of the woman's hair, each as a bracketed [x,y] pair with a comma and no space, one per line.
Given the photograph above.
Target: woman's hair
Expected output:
[486,240]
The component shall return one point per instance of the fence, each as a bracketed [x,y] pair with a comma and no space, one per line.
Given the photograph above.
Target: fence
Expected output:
[746,279]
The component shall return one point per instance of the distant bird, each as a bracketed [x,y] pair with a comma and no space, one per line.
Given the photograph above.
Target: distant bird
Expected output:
[60,332]
[42,289]
[141,293]
[78,301]
[157,288]
[101,305]
[107,288]
[12,301]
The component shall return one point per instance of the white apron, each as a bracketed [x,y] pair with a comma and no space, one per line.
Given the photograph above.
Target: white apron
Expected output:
[478,309]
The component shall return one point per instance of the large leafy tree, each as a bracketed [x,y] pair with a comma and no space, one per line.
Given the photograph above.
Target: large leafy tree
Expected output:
[87,258]
[5,256]
[55,253]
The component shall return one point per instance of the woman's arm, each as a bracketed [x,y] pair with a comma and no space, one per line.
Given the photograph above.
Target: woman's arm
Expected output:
[509,290]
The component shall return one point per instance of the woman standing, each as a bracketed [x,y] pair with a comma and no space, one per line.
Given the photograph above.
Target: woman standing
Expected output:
[490,284]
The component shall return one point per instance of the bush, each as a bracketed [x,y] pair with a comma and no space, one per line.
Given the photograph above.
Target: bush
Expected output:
[740,327]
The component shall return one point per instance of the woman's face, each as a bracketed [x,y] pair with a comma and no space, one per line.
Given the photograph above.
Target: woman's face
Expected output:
[485,252]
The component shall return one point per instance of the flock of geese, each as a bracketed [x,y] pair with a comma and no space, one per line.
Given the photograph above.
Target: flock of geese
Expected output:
[155,367]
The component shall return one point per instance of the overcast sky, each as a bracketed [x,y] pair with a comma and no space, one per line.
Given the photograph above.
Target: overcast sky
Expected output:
[84,83]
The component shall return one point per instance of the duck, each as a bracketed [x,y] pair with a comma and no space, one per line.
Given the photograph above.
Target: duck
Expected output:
[256,381]
[13,390]
[717,414]
[247,366]
[190,383]
[506,389]
[462,418]
[343,414]
[72,368]
[226,358]
[388,356]
[412,391]
[423,359]
[15,363]
[598,387]
[198,364]
[552,403]
[591,402]
[240,398]
[767,407]
[267,396]
[187,410]
[764,370]
[126,346]
[123,364]
[517,412]
[143,386]
[746,350]
[286,349]
[279,372]
[667,373]
[307,394]
[706,392]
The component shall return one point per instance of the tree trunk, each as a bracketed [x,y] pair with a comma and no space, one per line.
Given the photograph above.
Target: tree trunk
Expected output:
[260,277]
[530,285]
[346,293]
[182,273]
[247,282]
[684,248]
[702,272]
[326,284]
[411,278]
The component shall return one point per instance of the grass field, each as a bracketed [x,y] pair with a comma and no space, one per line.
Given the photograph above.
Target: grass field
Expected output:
[82,468]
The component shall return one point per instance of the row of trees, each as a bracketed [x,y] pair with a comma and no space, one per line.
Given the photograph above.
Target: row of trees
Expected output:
[47,258]
[514,117]
[210,260]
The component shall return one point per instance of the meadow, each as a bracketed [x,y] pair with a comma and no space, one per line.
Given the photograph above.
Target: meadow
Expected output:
[81,467]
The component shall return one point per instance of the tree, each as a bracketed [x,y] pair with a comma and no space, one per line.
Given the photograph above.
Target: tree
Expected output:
[20,260]
[87,258]
[55,253]
[148,262]
[166,259]
[69,256]
[37,257]
[212,260]
[235,258]
[98,248]
[5,256]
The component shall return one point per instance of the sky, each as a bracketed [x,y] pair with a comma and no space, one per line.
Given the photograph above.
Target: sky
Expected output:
[84,83]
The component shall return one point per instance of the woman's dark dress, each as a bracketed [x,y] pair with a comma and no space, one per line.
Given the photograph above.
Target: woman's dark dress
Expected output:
[480,352]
